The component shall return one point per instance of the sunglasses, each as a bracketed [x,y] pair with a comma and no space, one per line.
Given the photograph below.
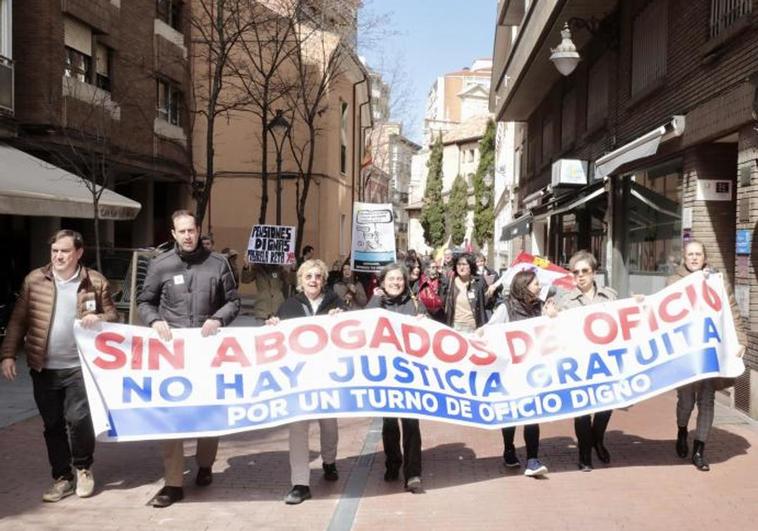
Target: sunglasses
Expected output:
[584,271]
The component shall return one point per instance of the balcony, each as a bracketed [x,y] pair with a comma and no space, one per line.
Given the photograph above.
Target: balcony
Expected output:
[6,85]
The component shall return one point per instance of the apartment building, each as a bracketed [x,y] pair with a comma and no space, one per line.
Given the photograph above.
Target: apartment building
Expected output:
[639,133]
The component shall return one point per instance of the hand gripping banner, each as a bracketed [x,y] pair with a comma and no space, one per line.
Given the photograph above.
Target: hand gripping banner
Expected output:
[376,363]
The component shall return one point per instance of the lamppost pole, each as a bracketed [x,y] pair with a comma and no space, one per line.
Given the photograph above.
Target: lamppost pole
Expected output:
[279,127]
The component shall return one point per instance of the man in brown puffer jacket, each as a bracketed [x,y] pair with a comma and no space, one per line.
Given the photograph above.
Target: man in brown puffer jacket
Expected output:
[51,298]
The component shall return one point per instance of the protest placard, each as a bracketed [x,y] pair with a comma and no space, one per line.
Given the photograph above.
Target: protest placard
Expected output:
[373,237]
[271,244]
[376,363]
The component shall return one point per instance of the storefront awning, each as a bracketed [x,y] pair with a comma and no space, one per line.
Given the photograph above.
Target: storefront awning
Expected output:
[32,187]
[566,204]
[641,147]
[517,227]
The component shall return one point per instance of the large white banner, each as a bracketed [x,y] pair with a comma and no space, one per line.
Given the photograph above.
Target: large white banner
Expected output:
[373,236]
[375,363]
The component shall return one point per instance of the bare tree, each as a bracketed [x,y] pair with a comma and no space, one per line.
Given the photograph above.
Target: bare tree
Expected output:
[266,46]
[326,39]
[217,28]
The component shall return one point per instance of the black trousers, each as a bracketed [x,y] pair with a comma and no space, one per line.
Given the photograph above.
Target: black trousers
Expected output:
[531,439]
[591,430]
[62,403]
[410,457]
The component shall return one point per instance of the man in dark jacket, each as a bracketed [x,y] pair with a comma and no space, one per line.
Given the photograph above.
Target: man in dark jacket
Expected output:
[187,287]
[51,298]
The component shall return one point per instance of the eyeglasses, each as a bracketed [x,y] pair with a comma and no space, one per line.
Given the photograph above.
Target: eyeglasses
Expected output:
[313,276]
[583,271]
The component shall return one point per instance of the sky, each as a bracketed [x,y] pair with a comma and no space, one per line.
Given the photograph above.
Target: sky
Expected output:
[428,38]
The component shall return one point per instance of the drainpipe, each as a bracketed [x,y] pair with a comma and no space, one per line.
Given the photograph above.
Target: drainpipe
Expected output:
[359,112]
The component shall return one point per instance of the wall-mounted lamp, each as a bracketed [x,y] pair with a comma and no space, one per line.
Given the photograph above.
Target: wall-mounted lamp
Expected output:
[565,57]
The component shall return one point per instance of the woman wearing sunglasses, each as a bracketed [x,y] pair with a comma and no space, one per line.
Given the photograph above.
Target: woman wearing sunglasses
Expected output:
[590,431]
[464,300]
[311,299]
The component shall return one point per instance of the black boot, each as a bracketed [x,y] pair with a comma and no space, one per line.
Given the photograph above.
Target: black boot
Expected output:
[585,459]
[698,448]
[682,449]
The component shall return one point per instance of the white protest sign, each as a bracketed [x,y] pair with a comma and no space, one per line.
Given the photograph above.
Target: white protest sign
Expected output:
[373,236]
[271,244]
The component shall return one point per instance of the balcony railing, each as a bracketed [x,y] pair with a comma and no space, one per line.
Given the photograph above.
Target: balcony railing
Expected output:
[6,84]
[724,13]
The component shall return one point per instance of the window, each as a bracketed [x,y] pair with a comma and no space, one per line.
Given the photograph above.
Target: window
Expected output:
[649,46]
[170,101]
[597,94]
[343,137]
[6,33]
[103,61]
[568,120]
[170,12]
[78,43]
[78,65]
[653,221]
[724,13]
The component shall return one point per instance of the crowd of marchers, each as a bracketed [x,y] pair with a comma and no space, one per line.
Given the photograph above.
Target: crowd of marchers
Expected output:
[191,286]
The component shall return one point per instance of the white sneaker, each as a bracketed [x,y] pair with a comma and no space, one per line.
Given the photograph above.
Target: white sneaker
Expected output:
[85,483]
[534,468]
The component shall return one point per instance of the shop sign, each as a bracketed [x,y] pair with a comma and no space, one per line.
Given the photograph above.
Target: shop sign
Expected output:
[743,241]
[687,217]
[713,190]
[569,171]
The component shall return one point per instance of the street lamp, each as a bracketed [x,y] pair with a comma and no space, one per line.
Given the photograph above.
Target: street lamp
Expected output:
[279,127]
[564,56]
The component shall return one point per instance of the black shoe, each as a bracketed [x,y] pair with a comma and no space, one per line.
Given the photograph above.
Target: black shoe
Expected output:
[298,494]
[204,477]
[330,472]
[391,474]
[682,448]
[602,453]
[698,448]
[510,459]
[167,496]
[585,460]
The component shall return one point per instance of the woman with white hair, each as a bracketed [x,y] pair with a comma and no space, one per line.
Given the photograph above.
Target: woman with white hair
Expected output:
[312,298]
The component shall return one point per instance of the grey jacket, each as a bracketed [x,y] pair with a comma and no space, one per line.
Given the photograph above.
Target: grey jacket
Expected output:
[186,289]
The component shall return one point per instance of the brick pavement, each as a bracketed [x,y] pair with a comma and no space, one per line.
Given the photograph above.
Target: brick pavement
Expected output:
[646,487]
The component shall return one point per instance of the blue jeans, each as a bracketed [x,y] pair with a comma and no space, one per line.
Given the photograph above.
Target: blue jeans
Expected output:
[62,403]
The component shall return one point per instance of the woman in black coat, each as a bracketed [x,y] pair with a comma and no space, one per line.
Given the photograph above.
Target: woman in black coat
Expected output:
[394,295]
[523,302]
[312,298]
[465,296]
